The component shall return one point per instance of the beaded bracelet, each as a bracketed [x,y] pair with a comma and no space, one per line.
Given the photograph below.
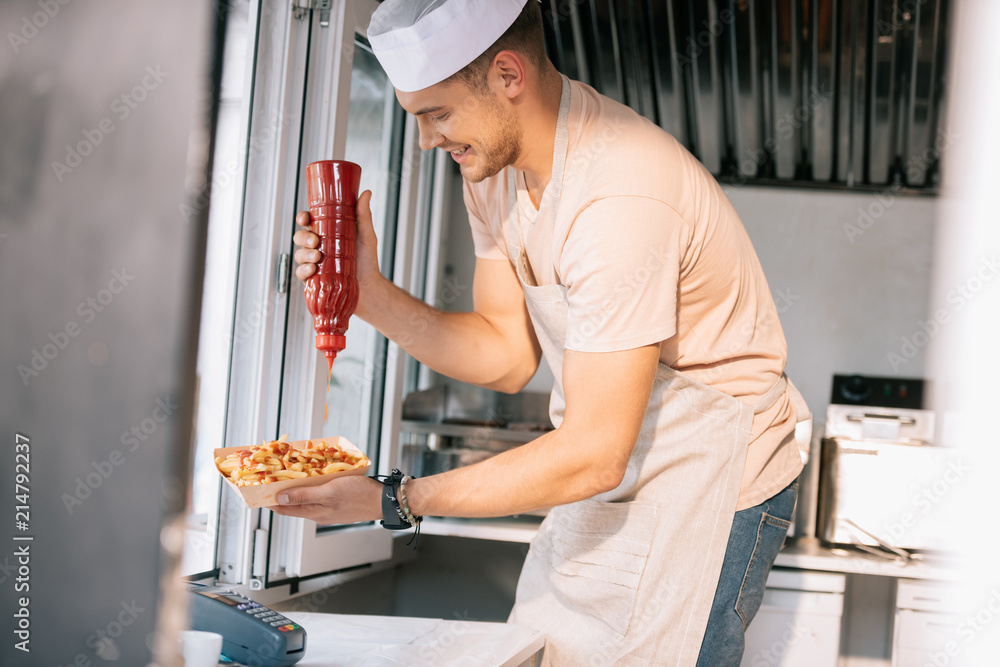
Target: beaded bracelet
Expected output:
[414,520]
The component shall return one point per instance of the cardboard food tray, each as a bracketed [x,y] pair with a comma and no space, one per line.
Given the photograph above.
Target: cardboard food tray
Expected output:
[266,495]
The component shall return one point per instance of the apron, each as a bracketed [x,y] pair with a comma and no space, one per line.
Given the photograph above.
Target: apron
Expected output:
[628,577]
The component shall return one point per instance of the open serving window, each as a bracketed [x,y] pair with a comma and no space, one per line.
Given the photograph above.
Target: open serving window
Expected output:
[308,88]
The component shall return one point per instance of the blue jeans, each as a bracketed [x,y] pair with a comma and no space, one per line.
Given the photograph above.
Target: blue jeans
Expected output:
[757,535]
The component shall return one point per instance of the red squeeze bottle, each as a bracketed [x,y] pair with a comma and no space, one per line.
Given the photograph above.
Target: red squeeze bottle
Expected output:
[332,292]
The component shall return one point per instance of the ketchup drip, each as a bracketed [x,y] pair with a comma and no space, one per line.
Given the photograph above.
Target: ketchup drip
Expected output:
[329,379]
[332,292]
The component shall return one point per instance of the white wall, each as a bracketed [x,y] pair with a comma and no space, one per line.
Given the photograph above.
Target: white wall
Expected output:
[850,273]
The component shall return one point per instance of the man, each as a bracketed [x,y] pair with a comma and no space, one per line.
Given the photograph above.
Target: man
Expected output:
[602,243]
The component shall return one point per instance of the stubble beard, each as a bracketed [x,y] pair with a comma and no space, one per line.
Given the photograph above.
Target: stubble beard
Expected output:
[499,147]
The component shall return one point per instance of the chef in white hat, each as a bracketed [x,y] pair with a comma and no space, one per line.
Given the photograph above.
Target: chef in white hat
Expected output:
[606,247]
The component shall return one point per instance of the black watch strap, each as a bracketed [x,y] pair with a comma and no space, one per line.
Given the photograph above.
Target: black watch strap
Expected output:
[393,516]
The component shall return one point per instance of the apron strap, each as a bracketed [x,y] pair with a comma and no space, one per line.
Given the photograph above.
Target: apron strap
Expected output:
[553,191]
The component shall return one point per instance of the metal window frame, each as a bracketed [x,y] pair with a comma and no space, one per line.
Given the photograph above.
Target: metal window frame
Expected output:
[295,50]
[278,55]
[246,418]
[298,548]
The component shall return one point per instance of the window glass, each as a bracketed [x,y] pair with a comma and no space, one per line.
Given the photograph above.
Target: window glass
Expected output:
[353,410]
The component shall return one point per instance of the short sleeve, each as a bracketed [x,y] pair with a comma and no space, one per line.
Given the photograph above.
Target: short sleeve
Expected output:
[620,264]
[483,241]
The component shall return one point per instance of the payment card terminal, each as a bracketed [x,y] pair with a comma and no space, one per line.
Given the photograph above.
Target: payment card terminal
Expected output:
[251,633]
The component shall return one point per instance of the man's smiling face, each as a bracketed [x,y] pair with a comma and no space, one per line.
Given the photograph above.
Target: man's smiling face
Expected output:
[480,132]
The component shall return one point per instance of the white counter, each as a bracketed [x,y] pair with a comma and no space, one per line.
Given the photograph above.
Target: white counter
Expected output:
[335,640]
[809,554]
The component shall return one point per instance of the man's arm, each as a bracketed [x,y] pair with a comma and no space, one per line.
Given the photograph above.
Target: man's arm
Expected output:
[494,346]
[606,399]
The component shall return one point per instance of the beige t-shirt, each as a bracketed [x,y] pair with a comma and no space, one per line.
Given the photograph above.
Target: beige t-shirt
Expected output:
[650,250]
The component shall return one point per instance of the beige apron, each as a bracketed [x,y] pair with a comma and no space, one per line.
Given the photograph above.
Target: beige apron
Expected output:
[628,577]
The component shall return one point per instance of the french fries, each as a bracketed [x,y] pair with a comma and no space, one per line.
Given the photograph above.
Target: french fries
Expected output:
[278,461]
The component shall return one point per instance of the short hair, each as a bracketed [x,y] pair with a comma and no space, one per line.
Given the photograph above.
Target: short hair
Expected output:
[526,36]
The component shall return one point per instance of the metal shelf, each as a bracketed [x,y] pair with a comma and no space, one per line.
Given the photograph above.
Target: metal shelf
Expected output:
[810,554]
[801,553]
[467,431]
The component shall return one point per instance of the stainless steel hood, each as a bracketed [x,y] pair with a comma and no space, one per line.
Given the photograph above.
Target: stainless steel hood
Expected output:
[836,93]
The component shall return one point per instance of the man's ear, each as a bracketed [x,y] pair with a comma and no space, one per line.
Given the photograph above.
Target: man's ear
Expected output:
[507,73]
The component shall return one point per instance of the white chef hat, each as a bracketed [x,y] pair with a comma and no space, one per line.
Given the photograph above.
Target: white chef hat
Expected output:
[423,42]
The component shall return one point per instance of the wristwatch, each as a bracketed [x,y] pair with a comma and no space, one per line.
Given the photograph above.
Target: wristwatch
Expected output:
[393,516]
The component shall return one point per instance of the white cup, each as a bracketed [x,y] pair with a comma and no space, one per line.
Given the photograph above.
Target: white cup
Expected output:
[200,649]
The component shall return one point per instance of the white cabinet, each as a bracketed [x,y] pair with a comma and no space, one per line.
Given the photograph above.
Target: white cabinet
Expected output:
[928,625]
[798,622]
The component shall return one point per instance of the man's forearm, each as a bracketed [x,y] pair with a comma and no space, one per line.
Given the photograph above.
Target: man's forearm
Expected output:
[554,469]
[607,395]
[464,346]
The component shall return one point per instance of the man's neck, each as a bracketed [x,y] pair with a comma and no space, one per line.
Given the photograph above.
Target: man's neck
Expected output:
[539,125]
